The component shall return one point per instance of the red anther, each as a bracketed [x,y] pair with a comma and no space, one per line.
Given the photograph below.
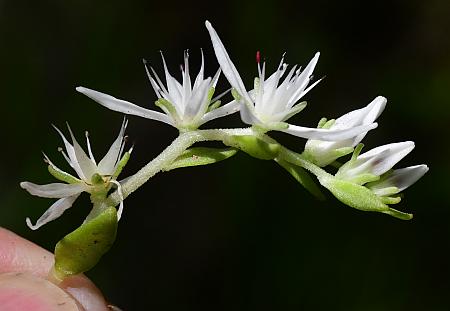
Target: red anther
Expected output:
[258,57]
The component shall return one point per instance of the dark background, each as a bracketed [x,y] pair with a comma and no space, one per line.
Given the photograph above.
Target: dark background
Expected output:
[242,234]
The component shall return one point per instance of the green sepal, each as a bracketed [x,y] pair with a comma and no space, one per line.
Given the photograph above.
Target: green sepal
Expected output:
[121,164]
[167,107]
[358,196]
[63,176]
[201,156]
[397,214]
[210,93]
[235,94]
[328,124]
[81,250]
[214,105]
[303,178]
[321,123]
[364,178]
[340,152]
[296,109]
[391,200]
[254,146]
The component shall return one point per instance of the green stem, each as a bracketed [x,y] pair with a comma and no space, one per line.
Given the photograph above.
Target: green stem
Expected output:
[165,158]
[295,158]
[187,139]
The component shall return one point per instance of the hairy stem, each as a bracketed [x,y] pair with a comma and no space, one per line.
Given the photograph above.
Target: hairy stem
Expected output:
[295,158]
[165,158]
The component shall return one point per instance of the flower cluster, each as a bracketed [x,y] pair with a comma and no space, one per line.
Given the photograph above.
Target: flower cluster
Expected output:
[365,181]
[273,100]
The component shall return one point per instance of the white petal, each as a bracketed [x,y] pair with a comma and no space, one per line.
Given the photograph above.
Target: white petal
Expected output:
[174,89]
[228,68]
[361,116]
[303,80]
[197,104]
[328,134]
[54,190]
[200,75]
[54,211]
[225,110]
[119,105]
[72,158]
[386,156]
[87,165]
[248,114]
[401,178]
[108,163]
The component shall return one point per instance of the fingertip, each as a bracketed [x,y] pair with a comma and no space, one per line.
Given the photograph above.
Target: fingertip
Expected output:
[24,291]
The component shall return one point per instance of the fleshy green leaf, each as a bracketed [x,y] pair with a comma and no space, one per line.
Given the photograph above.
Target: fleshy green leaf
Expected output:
[201,156]
[303,178]
[81,249]
[255,147]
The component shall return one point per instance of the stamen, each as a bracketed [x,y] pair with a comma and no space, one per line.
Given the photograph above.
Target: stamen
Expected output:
[258,57]
[65,156]
[124,141]
[220,95]
[89,147]
[155,86]
[119,190]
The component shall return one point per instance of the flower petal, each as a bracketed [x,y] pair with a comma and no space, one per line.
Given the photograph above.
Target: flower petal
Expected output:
[86,164]
[386,156]
[328,134]
[107,165]
[361,116]
[198,103]
[401,178]
[72,157]
[228,68]
[54,190]
[302,81]
[225,110]
[119,105]
[54,211]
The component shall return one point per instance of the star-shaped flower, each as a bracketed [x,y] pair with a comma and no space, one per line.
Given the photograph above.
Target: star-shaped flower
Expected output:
[270,102]
[93,177]
[186,106]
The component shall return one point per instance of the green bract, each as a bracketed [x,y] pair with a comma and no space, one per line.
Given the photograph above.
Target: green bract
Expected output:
[255,146]
[302,177]
[201,156]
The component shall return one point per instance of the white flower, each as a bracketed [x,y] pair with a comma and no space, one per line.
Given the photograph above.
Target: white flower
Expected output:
[323,153]
[396,181]
[271,103]
[185,106]
[93,177]
[375,162]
